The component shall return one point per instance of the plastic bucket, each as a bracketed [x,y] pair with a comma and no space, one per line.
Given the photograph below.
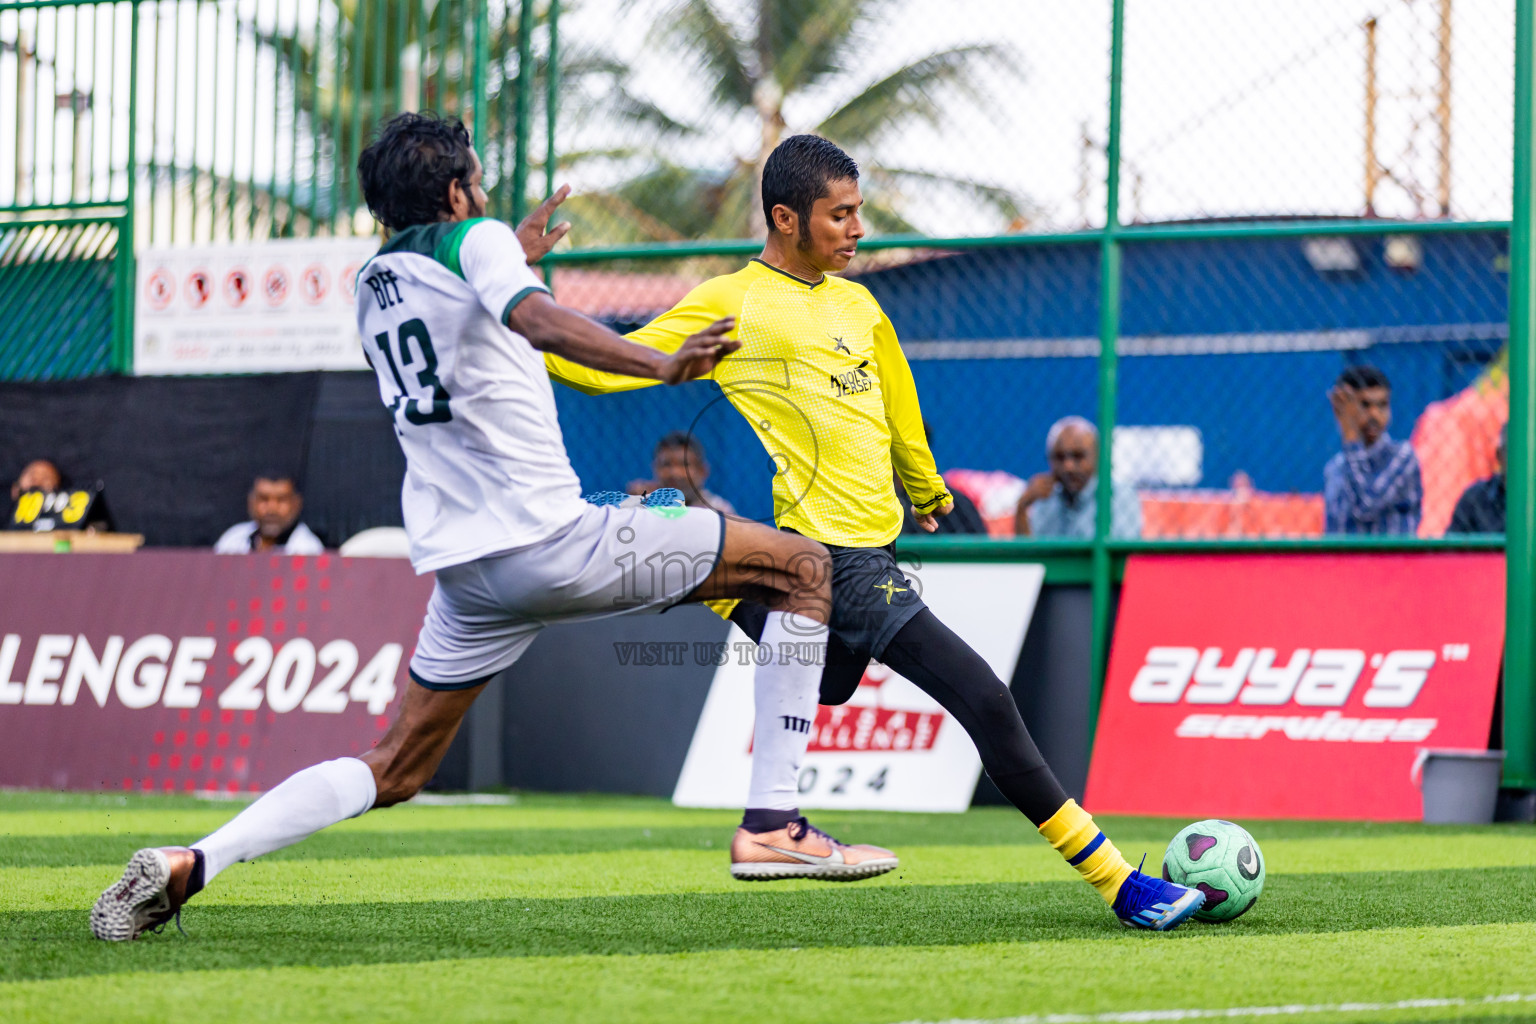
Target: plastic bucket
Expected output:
[1459,787]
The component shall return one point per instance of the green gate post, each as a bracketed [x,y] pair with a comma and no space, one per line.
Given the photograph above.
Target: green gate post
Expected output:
[1520,529]
[524,110]
[551,96]
[481,14]
[126,269]
[1109,333]
[551,106]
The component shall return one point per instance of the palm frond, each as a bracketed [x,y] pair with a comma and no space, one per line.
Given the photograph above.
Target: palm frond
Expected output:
[698,27]
[635,110]
[911,92]
[609,217]
[572,157]
[815,44]
[1009,204]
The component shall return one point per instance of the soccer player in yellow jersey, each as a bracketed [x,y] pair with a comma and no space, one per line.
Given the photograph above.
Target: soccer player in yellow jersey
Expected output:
[821,378]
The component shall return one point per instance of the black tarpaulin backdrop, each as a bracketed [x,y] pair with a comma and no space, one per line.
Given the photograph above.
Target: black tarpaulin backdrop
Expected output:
[178,454]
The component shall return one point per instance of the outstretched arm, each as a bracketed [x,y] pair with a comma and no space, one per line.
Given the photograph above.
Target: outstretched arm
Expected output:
[711,303]
[580,341]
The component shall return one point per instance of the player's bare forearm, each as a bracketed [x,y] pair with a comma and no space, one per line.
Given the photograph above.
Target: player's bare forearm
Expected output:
[552,328]
[572,336]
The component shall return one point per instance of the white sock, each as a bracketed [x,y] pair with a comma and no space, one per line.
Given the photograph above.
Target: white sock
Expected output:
[785,692]
[298,807]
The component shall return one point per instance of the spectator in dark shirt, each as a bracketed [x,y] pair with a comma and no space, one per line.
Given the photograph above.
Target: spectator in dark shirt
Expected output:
[64,506]
[1480,509]
[1373,485]
[965,517]
[38,475]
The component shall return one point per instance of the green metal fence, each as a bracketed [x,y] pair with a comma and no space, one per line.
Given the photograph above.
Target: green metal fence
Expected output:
[1178,220]
[58,287]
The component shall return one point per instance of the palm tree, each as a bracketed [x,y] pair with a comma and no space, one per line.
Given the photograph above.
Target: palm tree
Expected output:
[353,68]
[785,50]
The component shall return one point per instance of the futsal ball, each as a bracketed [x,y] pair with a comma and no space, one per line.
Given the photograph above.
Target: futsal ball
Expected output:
[1221,860]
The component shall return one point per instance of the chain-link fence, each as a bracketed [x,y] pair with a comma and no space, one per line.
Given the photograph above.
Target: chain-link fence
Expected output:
[970,119]
[230,120]
[1372,137]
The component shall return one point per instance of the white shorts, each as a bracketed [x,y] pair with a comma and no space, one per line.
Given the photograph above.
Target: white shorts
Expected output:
[612,561]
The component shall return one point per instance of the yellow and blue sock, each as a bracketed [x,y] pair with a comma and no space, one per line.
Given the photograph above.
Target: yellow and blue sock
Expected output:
[1073,834]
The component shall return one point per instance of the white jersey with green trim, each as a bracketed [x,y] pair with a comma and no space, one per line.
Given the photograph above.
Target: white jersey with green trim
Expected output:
[486,467]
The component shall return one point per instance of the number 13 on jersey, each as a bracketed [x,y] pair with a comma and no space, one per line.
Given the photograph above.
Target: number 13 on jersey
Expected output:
[409,355]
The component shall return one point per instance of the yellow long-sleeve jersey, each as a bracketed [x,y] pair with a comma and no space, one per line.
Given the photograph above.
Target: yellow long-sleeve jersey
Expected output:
[822,380]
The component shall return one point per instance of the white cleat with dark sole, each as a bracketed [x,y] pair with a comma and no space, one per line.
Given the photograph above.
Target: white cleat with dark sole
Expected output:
[150,893]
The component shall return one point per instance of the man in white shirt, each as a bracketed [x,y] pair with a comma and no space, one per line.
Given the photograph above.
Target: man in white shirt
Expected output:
[274,505]
[456,325]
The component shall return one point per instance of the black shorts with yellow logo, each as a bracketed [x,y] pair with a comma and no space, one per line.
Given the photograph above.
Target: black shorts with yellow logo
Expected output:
[871,600]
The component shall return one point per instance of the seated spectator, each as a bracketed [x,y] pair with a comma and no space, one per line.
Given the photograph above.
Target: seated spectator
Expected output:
[679,462]
[1373,485]
[63,506]
[963,518]
[1062,502]
[1480,509]
[274,504]
[38,475]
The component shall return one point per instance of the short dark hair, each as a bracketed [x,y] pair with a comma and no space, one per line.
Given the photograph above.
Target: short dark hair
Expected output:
[799,171]
[680,439]
[1364,376]
[64,480]
[406,170]
[277,476]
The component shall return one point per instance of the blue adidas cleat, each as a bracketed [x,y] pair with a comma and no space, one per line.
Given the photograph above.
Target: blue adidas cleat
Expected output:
[661,497]
[665,497]
[1146,901]
[607,498]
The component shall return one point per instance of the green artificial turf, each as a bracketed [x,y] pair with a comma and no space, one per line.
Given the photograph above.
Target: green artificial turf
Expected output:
[568,908]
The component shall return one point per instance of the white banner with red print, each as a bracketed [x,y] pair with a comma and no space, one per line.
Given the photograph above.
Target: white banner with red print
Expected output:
[1294,686]
[259,307]
[891,747]
[185,671]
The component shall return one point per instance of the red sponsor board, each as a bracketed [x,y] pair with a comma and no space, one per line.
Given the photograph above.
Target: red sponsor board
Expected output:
[850,729]
[1294,686]
[188,671]
[859,726]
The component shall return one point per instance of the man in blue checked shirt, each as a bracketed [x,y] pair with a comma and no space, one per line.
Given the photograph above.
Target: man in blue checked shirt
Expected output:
[1373,485]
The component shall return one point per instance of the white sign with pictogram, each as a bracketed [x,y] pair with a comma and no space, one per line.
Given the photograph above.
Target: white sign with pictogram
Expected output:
[891,747]
[260,307]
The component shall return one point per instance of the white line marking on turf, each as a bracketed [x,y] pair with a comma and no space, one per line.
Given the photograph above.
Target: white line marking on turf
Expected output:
[1293,1010]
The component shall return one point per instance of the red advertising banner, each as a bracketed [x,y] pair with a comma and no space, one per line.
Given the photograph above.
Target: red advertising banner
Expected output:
[179,671]
[1294,686]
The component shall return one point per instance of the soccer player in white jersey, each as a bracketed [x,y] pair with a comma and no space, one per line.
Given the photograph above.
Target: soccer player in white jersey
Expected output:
[455,326]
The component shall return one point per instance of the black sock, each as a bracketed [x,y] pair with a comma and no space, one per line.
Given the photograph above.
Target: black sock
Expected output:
[195,882]
[761,819]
